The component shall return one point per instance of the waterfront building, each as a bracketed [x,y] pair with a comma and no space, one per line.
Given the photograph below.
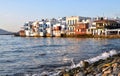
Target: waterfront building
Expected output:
[81,28]
[57,29]
[74,25]
[22,33]
[49,28]
[72,22]
[106,27]
[35,28]
[42,28]
[92,29]
[28,28]
[63,25]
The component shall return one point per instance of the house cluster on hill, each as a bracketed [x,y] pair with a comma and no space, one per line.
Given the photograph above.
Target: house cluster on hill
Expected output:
[74,25]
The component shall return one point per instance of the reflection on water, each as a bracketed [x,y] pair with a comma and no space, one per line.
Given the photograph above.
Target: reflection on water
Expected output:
[21,55]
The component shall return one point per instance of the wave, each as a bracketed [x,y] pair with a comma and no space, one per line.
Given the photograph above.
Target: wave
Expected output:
[102,56]
[48,46]
[57,71]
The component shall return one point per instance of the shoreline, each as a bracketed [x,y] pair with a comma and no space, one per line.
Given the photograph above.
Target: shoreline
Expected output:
[76,36]
[92,36]
[104,67]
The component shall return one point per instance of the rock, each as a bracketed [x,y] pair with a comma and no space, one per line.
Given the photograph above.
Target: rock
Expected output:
[107,67]
[104,74]
[119,74]
[45,73]
[118,60]
[107,71]
[84,64]
[115,65]
[80,74]
[116,71]
[90,75]
[66,74]
[89,70]
[112,75]
[99,74]
[115,60]
[62,72]
[116,68]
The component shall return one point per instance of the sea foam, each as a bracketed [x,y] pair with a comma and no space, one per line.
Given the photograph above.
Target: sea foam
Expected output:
[91,60]
[97,58]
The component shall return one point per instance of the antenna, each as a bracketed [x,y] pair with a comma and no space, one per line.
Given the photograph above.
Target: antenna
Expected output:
[103,14]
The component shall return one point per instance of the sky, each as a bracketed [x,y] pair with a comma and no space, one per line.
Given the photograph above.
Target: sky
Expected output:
[14,13]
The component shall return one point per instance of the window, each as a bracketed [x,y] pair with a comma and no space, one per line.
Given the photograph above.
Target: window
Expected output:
[40,25]
[26,28]
[41,30]
[75,21]
[78,30]
[71,22]
[70,29]
[68,22]
[100,24]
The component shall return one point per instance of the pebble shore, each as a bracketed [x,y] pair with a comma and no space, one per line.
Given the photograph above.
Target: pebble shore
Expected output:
[106,67]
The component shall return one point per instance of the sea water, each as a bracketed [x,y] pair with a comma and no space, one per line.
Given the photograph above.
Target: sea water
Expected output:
[30,56]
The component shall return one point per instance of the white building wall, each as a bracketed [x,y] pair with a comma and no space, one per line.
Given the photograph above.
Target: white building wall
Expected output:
[27,32]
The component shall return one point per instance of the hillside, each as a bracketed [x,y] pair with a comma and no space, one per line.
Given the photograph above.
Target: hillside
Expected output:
[4,32]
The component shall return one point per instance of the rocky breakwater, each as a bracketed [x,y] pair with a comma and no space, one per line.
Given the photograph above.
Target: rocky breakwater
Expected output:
[106,64]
